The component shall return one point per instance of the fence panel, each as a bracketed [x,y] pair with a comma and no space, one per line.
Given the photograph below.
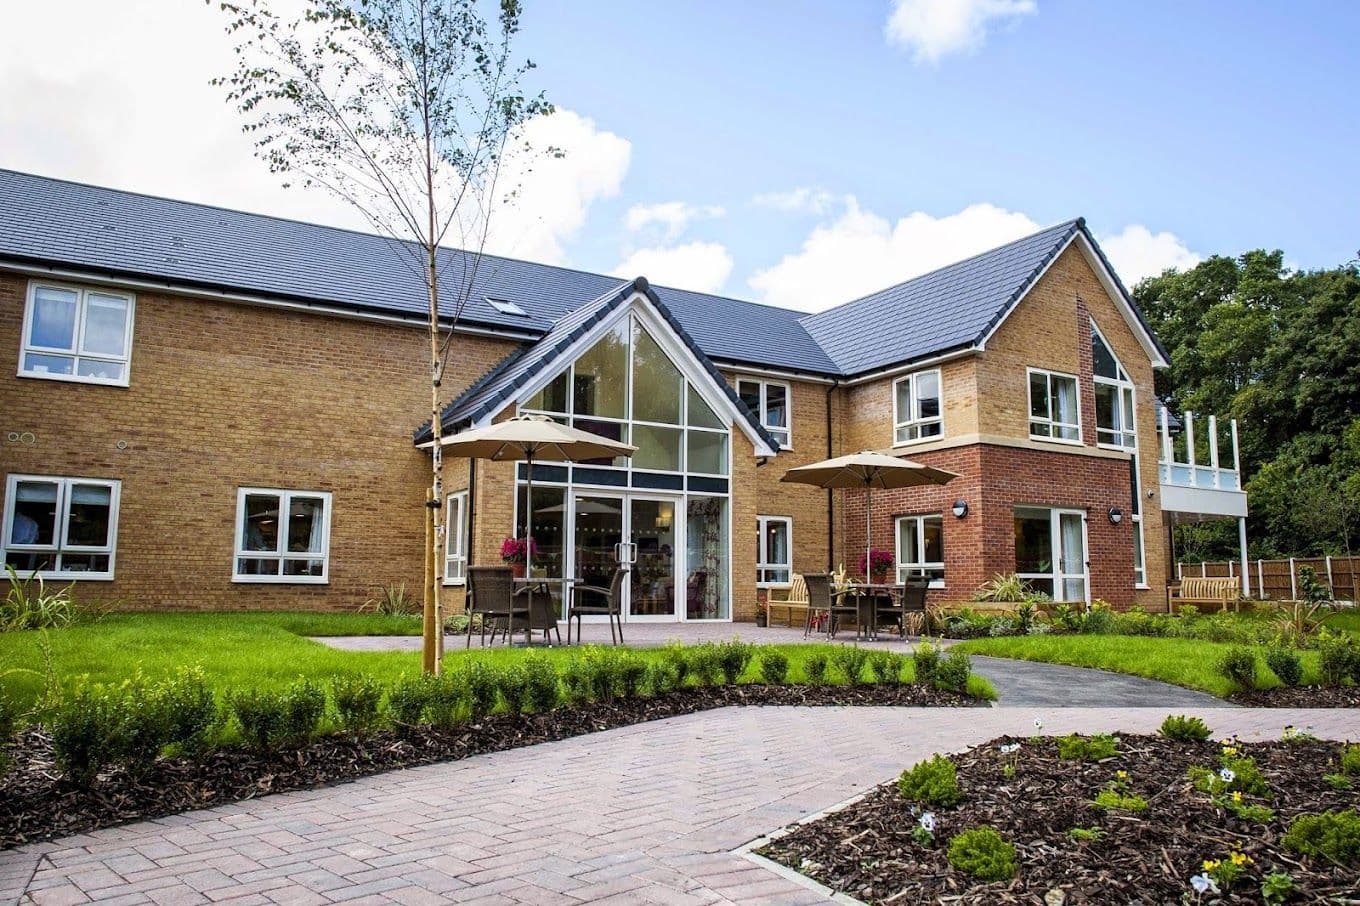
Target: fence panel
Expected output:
[1278,580]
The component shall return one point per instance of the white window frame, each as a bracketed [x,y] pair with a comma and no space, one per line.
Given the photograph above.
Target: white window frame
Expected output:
[763,414]
[1140,553]
[1030,418]
[455,538]
[1120,385]
[58,547]
[903,567]
[914,419]
[75,352]
[285,496]
[763,563]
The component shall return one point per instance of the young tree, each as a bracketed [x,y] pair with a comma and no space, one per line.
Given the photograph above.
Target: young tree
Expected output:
[405,109]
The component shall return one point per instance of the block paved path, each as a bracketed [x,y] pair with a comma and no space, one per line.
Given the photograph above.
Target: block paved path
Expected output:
[643,814]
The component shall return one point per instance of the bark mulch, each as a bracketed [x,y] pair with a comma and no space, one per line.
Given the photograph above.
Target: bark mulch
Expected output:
[1301,697]
[866,850]
[36,804]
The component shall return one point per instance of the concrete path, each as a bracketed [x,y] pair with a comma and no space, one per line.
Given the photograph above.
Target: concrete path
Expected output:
[645,814]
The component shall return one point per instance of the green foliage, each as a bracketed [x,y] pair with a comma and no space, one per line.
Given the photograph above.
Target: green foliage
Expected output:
[1338,657]
[358,700]
[705,664]
[886,667]
[392,601]
[814,666]
[1243,776]
[85,726]
[953,672]
[1277,887]
[1350,759]
[733,656]
[933,782]
[541,689]
[926,658]
[774,667]
[630,670]
[1311,590]
[1075,747]
[1285,664]
[1099,619]
[447,700]
[1338,781]
[514,688]
[660,678]
[1248,811]
[1085,834]
[1238,667]
[677,656]
[984,854]
[1180,728]
[30,604]
[1116,800]
[408,700]
[1333,836]
[1008,588]
[479,684]
[850,661]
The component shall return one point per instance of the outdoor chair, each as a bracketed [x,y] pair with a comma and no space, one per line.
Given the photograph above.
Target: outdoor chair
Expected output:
[909,606]
[795,597]
[611,606]
[823,601]
[491,593]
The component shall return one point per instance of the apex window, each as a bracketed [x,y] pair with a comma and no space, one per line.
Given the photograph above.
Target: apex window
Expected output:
[774,554]
[1054,409]
[61,528]
[282,536]
[73,333]
[916,407]
[1115,425]
[769,400]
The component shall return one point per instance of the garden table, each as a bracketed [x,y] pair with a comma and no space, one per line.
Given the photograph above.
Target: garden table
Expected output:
[869,597]
[544,607]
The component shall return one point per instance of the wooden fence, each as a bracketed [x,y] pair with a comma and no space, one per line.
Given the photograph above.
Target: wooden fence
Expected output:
[1278,580]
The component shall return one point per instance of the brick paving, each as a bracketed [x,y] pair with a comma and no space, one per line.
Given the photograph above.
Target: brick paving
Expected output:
[645,814]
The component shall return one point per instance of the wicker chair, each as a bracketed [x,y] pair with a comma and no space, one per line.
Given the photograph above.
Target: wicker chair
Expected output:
[822,600]
[611,606]
[910,604]
[491,593]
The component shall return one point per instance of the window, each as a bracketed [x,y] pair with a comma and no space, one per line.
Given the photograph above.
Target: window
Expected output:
[916,407]
[1050,552]
[769,401]
[282,536]
[455,539]
[506,307]
[1115,424]
[920,548]
[774,559]
[61,528]
[1139,564]
[76,334]
[1054,411]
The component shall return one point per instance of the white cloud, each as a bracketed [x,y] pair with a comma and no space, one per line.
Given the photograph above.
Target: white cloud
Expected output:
[934,29]
[700,266]
[1138,252]
[861,252]
[802,200]
[672,216]
[119,95]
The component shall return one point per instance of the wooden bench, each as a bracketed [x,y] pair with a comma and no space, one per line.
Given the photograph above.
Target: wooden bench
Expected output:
[795,597]
[1196,590]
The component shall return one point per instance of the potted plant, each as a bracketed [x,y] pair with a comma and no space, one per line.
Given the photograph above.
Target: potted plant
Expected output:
[516,552]
[762,613]
[876,566]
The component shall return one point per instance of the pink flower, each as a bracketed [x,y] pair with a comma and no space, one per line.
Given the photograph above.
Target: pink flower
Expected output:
[518,550]
[879,562]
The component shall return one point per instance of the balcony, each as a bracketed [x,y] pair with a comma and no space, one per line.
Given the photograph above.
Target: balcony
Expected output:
[1197,481]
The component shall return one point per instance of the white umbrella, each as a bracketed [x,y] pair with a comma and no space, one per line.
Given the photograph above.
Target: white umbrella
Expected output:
[867,469]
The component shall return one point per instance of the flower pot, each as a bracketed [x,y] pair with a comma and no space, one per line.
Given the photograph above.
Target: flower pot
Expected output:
[762,619]
[517,568]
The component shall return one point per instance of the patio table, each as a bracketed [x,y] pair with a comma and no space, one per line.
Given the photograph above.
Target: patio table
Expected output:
[543,606]
[869,597]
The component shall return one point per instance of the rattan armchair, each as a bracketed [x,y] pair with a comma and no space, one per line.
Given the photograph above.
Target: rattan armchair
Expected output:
[592,600]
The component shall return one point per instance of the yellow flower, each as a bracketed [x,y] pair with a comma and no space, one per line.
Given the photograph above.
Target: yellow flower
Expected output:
[1237,796]
[1229,750]
[1211,864]
[1122,775]
[1239,858]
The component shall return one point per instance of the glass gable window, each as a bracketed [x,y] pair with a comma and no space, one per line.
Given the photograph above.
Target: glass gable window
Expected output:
[774,557]
[769,401]
[282,536]
[61,528]
[916,407]
[455,538]
[1115,424]
[1054,410]
[77,334]
[920,548]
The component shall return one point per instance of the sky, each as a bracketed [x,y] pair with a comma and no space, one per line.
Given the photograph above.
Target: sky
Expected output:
[793,152]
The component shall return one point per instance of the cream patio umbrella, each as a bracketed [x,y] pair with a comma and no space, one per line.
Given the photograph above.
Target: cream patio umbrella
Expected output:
[869,470]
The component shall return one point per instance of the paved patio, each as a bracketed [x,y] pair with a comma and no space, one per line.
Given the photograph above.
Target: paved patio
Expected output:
[645,814]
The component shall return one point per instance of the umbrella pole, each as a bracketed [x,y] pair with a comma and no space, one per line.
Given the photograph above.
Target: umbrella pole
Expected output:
[529,545]
[868,532]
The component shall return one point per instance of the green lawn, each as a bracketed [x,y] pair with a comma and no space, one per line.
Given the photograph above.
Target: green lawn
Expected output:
[1184,662]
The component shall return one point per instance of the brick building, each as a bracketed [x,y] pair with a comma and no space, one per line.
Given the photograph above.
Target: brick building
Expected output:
[212,409]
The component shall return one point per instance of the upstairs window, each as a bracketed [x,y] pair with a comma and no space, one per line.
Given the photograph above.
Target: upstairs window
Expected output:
[72,333]
[1054,410]
[61,528]
[455,539]
[916,407]
[282,536]
[774,557]
[769,401]
[1115,424]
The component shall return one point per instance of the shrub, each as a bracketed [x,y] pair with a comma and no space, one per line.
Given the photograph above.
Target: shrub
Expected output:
[541,689]
[984,854]
[1277,887]
[933,782]
[358,701]
[514,688]
[1350,759]
[733,656]
[1338,657]
[677,656]
[1113,799]
[705,664]
[447,705]
[1075,747]
[1007,588]
[1238,667]
[927,660]
[269,720]
[1099,619]
[629,671]
[1065,617]
[409,699]
[391,600]
[886,667]
[1085,834]
[1285,664]
[952,674]
[85,728]
[850,661]
[814,666]
[1334,836]
[774,667]
[304,705]
[1180,728]
[1311,589]
[479,684]
[576,684]
[660,678]
[30,604]
[141,710]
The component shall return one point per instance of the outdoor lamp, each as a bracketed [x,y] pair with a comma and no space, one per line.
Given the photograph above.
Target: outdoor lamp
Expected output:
[960,508]
[1116,515]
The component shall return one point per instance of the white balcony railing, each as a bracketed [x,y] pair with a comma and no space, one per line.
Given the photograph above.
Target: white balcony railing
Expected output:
[1191,473]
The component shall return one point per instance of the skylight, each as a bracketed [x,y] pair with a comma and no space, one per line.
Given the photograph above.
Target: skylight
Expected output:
[506,307]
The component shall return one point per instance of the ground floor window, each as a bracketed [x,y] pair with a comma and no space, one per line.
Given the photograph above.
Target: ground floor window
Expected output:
[920,548]
[455,538]
[1050,552]
[282,536]
[61,528]
[1139,554]
[774,558]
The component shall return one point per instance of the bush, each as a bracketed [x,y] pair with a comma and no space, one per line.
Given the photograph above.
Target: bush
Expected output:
[927,660]
[952,674]
[30,604]
[1338,657]
[409,699]
[814,667]
[660,678]
[933,782]
[479,686]
[733,656]
[540,683]
[705,664]
[1350,759]
[358,701]
[85,729]
[514,688]
[269,720]
[677,657]
[850,661]
[1285,664]
[774,667]
[1075,747]
[1238,667]
[576,676]
[1099,619]
[188,708]
[391,600]
[629,671]
[886,667]
[1180,728]
[984,854]
[1115,800]
[1334,836]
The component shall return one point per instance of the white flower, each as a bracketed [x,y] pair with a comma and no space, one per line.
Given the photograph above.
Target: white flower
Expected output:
[1008,749]
[1203,884]
[927,822]
[1227,775]
[1038,723]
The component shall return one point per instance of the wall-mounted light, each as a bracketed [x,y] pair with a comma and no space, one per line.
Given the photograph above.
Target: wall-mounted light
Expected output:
[960,508]
[1116,515]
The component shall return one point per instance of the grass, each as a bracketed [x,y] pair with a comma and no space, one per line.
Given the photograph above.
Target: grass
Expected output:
[260,650]
[1183,662]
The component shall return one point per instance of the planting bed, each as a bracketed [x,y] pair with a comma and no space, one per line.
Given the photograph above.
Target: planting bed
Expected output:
[36,805]
[868,851]
[1301,697]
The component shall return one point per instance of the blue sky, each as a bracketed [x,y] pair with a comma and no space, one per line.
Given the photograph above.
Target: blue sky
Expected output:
[771,150]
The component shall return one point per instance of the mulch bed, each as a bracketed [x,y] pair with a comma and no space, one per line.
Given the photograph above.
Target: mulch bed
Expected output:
[35,804]
[866,850]
[1301,697]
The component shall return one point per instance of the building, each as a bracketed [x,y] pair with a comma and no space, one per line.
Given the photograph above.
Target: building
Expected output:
[211,409]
